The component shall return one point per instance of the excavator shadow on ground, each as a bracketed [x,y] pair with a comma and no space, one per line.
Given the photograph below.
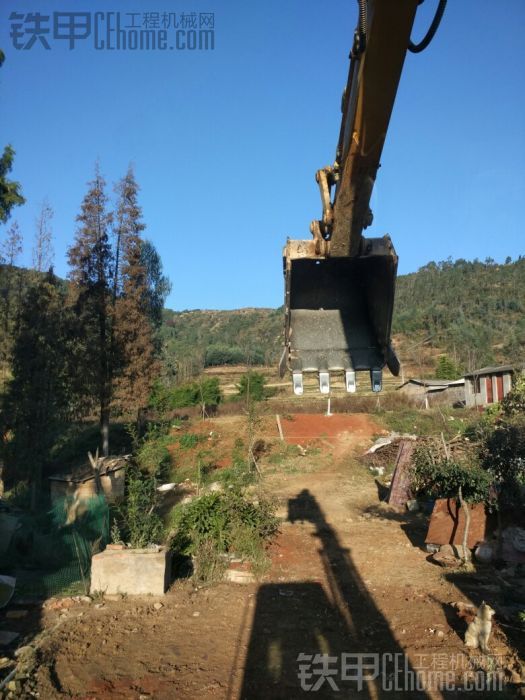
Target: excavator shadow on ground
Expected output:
[330,644]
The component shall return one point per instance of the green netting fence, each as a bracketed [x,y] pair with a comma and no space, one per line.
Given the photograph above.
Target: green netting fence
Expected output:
[50,552]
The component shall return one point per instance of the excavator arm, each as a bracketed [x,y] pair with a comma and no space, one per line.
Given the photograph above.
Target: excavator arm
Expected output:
[339,287]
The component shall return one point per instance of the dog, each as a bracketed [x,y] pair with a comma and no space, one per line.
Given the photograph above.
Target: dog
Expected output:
[479,629]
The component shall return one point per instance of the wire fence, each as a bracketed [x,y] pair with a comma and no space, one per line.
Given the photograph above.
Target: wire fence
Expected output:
[50,552]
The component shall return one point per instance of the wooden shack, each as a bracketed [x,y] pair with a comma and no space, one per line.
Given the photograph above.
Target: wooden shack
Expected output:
[434,392]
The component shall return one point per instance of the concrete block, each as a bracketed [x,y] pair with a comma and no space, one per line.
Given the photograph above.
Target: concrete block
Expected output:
[131,571]
[239,571]
[239,576]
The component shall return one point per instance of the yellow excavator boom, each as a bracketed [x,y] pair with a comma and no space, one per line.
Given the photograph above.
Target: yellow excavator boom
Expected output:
[339,285]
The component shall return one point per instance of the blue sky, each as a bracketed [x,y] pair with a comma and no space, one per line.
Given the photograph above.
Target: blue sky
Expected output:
[226,143]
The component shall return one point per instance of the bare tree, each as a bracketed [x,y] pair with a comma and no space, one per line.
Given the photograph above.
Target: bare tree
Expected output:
[12,246]
[43,253]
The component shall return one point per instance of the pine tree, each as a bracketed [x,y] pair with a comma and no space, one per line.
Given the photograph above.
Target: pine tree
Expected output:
[134,327]
[10,191]
[158,285]
[446,369]
[37,396]
[11,286]
[91,261]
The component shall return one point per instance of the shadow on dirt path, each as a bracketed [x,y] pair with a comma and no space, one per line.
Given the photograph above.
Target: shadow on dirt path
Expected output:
[306,640]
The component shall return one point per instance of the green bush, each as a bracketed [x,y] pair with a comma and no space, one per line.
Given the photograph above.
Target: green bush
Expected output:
[252,385]
[136,521]
[242,472]
[478,429]
[503,456]
[206,391]
[442,479]
[220,523]
[159,399]
[447,369]
[223,355]
[152,454]
[183,395]
[514,402]
[188,441]
[209,392]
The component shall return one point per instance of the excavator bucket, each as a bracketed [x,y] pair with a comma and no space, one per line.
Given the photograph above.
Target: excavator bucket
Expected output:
[339,295]
[338,313]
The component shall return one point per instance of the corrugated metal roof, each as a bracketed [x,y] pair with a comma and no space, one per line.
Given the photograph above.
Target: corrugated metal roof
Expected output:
[434,383]
[491,370]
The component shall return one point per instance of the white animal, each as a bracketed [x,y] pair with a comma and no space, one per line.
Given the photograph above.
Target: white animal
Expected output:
[478,631]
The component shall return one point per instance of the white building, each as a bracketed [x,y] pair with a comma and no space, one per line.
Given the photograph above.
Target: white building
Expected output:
[488,385]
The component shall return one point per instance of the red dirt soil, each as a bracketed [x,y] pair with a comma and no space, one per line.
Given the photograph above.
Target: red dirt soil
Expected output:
[305,427]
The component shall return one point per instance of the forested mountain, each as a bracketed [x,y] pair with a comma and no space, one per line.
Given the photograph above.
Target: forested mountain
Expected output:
[473,311]
[193,339]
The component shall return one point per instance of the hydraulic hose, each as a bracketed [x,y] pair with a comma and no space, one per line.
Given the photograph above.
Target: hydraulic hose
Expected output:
[417,48]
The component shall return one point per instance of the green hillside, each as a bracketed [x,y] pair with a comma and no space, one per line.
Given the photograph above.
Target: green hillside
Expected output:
[206,338]
[473,311]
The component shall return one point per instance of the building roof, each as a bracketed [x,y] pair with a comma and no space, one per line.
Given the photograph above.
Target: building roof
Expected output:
[434,384]
[490,370]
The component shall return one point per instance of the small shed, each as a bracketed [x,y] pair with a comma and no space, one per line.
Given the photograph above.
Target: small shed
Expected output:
[85,483]
[488,385]
[443,392]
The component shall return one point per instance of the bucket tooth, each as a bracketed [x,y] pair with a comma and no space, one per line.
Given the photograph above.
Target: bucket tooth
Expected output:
[298,388]
[376,377]
[350,381]
[324,382]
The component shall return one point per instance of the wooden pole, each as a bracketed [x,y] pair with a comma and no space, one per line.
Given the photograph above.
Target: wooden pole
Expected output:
[281,435]
[466,551]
